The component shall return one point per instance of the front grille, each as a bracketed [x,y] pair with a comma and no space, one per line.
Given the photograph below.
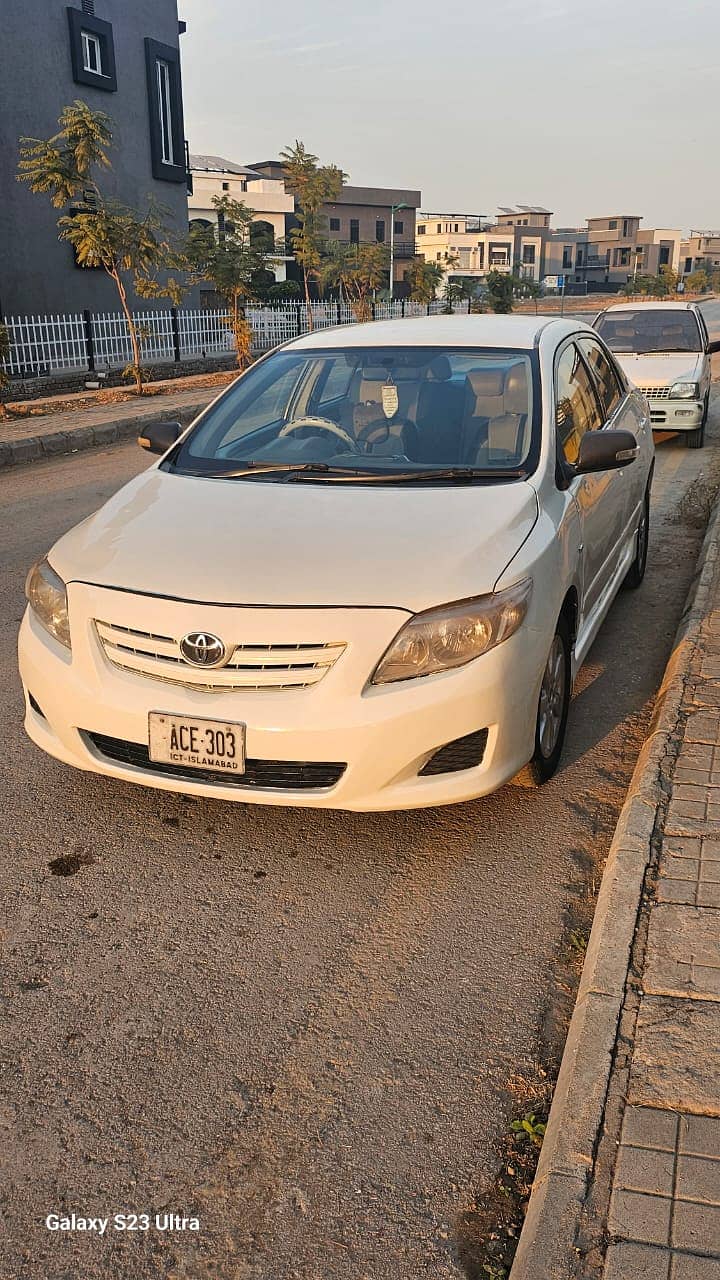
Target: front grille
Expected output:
[656,393]
[269,775]
[462,753]
[256,666]
[658,416]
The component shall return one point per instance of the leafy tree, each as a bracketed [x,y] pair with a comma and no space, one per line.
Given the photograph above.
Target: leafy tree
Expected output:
[670,279]
[312,185]
[500,292]
[697,281]
[283,290]
[126,243]
[424,280]
[231,258]
[358,270]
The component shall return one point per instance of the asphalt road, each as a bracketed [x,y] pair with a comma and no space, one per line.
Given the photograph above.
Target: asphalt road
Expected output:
[297,1026]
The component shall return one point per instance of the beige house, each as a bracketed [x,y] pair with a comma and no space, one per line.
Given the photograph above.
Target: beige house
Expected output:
[701,249]
[474,244]
[608,251]
[266,197]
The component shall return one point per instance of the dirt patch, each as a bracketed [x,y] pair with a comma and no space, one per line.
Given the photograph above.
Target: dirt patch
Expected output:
[68,864]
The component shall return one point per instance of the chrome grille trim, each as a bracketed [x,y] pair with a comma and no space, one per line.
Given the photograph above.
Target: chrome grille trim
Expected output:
[252,666]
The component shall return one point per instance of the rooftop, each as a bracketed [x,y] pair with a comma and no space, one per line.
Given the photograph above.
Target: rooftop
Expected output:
[216,164]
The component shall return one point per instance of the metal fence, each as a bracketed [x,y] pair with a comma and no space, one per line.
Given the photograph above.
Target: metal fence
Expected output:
[41,345]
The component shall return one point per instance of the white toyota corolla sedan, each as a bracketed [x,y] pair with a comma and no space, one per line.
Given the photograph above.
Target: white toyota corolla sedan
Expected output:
[363,579]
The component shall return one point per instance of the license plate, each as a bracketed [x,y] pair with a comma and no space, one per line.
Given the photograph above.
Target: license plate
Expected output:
[197,744]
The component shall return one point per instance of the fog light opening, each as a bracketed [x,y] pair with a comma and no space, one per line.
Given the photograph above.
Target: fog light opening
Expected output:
[461,753]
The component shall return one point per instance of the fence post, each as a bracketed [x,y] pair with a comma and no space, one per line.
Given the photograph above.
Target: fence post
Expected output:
[89,344]
[372,308]
[428,308]
[338,312]
[175,331]
[402,308]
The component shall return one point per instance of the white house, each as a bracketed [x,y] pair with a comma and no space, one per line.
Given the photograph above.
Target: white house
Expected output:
[266,197]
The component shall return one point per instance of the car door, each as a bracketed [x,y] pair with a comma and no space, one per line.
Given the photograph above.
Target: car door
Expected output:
[601,497]
[705,367]
[620,410]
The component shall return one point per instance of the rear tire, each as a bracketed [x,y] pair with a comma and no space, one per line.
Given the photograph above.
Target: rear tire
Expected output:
[553,707]
[636,572]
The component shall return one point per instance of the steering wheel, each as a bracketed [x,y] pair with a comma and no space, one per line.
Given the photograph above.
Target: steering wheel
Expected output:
[323,424]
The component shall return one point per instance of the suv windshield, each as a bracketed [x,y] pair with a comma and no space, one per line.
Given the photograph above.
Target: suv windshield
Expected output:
[368,413]
[649,330]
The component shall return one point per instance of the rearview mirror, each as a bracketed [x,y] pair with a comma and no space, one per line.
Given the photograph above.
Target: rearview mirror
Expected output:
[157,437]
[713,346]
[606,451]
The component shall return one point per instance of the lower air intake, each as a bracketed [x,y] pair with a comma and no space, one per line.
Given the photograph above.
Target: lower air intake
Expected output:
[462,753]
[269,775]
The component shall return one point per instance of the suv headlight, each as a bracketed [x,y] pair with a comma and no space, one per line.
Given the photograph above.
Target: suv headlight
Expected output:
[47,598]
[453,635]
[685,391]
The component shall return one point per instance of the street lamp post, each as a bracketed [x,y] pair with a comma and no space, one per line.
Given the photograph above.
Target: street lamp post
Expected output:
[394,208]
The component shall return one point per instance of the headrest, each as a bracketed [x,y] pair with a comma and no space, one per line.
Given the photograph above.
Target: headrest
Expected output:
[374,373]
[487,382]
[440,368]
[622,331]
[516,390]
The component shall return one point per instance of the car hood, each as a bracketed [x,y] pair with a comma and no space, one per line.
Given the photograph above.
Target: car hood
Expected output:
[249,542]
[661,370]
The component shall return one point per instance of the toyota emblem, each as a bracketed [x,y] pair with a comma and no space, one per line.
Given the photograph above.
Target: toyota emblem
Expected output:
[202,649]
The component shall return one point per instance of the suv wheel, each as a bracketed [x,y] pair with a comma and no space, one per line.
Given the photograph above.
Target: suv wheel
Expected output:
[553,706]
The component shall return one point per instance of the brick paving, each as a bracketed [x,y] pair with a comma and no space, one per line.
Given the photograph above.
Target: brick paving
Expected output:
[664,1212]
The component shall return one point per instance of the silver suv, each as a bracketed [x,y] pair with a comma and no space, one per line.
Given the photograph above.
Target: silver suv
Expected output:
[665,351]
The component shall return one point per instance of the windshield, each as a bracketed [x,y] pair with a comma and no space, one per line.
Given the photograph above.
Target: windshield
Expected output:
[369,412]
[649,330]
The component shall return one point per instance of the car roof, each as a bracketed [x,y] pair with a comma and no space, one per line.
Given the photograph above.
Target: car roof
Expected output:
[652,306]
[520,332]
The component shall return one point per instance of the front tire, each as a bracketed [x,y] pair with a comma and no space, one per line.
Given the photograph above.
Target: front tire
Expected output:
[695,439]
[636,572]
[553,707]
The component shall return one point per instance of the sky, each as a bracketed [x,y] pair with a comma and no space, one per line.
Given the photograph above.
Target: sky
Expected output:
[588,109]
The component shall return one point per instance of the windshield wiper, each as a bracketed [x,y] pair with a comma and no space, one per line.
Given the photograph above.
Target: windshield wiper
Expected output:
[462,475]
[264,468]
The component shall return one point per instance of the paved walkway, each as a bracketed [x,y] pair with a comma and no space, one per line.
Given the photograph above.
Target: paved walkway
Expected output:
[27,438]
[664,1213]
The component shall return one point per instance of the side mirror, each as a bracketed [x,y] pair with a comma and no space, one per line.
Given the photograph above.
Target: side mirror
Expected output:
[606,451]
[159,436]
[713,346]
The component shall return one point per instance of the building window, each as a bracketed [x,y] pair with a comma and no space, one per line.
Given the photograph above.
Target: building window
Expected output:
[399,227]
[688,265]
[380,230]
[612,225]
[439,228]
[354,231]
[579,258]
[567,255]
[421,230]
[529,255]
[664,260]
[334,224]
[626,226]
[481,254]
[91,53]
[226,186]
[165,111]
[167,145]
[91,50]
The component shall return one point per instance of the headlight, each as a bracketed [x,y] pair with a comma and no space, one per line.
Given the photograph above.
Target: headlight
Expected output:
[685,391]
[47,598]
[453,635]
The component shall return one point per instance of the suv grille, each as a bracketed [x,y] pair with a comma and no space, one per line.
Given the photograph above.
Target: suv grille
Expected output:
[266,666]
[656,393]
[277,775]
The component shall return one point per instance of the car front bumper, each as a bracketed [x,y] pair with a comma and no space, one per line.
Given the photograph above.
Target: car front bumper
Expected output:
[676,415]
[382,735]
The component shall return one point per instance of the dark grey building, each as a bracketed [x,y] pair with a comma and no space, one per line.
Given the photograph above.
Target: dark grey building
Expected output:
[121,57]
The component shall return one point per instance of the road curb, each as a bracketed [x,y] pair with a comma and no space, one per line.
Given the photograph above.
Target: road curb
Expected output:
[548,1248]
[56,443]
